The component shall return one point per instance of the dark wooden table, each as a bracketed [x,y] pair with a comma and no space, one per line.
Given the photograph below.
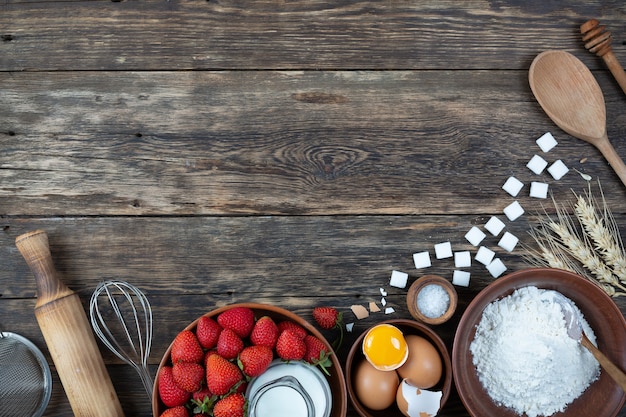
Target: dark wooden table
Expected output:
[291,153]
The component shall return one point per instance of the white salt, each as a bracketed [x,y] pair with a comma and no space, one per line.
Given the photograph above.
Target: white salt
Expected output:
[558,169]
[421,260]
[508,241]
[537,164]
[538,189]
[475,236]
[484,255]
[443,250]
[462,259]
[494,225]
[398,279]
[513,211]
[349,327]
[433,301]
[461,278]
[512,186]
[496,268]
[546,142]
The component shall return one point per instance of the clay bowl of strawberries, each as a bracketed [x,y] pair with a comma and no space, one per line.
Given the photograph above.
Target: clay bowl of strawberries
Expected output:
[251,360]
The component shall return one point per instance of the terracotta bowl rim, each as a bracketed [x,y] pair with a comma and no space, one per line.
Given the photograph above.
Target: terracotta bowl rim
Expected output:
[342,404]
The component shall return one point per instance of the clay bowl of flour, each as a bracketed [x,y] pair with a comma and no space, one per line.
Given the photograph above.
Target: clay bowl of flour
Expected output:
[601,398]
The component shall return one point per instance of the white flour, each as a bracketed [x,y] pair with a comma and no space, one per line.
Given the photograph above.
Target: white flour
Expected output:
[524,358]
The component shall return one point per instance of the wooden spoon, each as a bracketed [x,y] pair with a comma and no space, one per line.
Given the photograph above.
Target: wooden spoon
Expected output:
[575,331]
[570,95]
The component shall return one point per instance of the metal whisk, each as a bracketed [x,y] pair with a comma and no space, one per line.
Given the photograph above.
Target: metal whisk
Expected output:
[124,311]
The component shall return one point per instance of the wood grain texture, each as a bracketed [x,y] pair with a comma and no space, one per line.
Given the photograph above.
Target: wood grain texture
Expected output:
[214,143]
[155,35]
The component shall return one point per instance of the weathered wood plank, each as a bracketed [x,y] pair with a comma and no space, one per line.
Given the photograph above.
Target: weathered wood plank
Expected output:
[348,34]
[195,143]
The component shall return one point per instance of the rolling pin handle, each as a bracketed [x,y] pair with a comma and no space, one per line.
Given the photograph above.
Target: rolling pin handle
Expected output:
[35,249]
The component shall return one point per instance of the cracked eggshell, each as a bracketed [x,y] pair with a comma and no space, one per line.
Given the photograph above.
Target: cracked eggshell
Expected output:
[416,402]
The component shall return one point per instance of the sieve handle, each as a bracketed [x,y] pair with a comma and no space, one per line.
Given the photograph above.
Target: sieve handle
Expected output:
[68,334]
[35,249]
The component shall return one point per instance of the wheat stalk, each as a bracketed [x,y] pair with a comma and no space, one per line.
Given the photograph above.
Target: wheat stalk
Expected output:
[593,251]
[604,233]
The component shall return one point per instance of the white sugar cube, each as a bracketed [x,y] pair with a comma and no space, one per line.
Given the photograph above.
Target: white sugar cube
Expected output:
[546,142]
[383,292]
[349,327]
[383,301]
[475,236]
[538,189]
[443,250]
[496,268]
[513,211]
[389,310]
[462,259]
[461,278]
[537,164]
[558,169]
[508,241]
[421,260]
[484,255]
[494,225]
[513,186]
[398,279]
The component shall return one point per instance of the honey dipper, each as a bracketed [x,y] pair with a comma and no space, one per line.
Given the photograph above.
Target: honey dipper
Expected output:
[598,41]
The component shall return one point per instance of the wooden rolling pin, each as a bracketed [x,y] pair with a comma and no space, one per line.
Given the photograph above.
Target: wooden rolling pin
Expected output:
[68,334]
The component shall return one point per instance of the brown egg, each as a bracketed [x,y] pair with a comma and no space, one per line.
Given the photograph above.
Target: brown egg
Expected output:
[423,367]
[375,389]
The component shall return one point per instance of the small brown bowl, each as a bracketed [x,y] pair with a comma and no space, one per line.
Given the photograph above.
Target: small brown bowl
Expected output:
[603,398]
[336,379]
[421,283]
[355,356]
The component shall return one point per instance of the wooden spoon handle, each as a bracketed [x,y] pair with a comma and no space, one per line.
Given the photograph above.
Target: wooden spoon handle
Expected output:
[68,334]
[605,147]
[610,368]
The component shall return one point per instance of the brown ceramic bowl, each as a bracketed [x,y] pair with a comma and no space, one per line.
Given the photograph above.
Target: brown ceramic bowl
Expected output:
[604,398]
[407,327]
[420,284]
[336,379]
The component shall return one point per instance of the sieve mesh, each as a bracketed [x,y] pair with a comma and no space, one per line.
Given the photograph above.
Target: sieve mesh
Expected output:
[25,379]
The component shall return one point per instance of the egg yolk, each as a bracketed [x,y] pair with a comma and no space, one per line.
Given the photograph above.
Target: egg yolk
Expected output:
[385,348]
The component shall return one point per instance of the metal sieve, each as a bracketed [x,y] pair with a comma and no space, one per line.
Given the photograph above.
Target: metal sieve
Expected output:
[25,379]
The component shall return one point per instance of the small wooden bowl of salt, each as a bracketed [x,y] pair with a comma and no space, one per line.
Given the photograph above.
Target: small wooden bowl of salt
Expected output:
[432,299]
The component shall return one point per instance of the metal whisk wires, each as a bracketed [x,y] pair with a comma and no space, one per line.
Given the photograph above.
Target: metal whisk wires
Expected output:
[121,317]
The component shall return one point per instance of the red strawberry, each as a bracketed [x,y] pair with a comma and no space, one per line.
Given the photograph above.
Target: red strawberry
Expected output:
[290,346]
[186,348]
[179,411]
[207,331]
[233,405]
[202,401]
[264,333]
[238,319]
[171,394]
[327,317]
[296,328]
[221,375]
[317,353]
[188,375]
[229,344]
[254,360]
